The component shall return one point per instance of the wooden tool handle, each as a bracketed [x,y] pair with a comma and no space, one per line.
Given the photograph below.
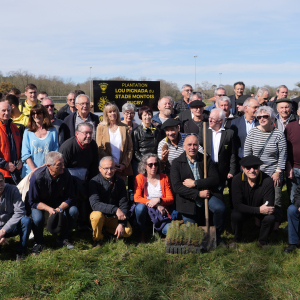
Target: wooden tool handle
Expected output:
[205,176]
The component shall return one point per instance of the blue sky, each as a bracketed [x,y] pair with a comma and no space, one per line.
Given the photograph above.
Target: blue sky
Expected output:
[253,41]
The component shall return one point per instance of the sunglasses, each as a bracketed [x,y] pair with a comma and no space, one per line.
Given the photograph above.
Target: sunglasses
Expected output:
[37,113]
[263,117]
[50,105]
[152,164]
[252,167]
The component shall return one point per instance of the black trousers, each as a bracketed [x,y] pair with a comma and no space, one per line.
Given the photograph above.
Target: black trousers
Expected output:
[238,218]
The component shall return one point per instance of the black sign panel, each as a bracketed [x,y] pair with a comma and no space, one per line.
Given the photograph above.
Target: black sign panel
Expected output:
[140,93]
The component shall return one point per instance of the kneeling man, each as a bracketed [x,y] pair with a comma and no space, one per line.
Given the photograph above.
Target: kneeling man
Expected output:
[12,217]
[253,195]
[190,187]
[108,199]
[51,189]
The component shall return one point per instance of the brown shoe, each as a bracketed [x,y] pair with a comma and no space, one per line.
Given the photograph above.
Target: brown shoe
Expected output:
[142,238]
[96,244]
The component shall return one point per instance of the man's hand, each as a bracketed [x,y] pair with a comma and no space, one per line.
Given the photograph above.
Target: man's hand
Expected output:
[289,170]
[51,211]
[120,214]
[276,178]
[153,202]
[190,183]
[229,176]
[3,241]
[204,194]
[119,231]
[10,167]
[2,233]
[164,155]
[266,210]
[120,168]
[162,209]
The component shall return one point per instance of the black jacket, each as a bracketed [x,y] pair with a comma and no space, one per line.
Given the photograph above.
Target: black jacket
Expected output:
[62,113]
[292,119]
[186,115]
[185,197]
[107,201]
[145,141]
[68,126]
[227,156]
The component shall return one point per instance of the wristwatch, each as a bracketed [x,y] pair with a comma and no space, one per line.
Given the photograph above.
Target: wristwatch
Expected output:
[60,210]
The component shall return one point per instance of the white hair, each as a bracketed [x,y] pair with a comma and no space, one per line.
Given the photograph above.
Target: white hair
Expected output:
[82,95]
[51,156]
[262,90]
[221,114]
[224,98]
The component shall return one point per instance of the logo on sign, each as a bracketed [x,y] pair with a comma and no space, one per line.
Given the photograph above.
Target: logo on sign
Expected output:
[102,102]
[103,86]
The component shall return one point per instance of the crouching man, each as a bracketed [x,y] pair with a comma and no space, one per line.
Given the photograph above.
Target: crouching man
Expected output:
[12,217]
[253,195]
[108,199]
[51,189]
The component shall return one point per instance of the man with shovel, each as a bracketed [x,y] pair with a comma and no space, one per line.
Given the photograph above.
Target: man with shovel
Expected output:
[191,187]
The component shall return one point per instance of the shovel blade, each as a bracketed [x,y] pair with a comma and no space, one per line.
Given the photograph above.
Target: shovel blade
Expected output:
[210,239]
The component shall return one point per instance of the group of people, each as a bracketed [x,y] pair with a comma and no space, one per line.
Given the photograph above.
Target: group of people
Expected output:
[70,169]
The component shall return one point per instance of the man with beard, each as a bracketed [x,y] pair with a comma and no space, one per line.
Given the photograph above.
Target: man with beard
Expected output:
[164,106]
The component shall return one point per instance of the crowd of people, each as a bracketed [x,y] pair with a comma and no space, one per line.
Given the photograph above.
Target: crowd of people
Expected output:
[66,169]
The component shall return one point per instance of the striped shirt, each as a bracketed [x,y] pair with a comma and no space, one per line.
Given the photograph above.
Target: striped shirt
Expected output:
[275,153]
[174,151]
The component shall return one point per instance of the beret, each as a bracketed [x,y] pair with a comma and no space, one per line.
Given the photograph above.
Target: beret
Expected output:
[250,161]
[170,123]
[197,103]
[284,100]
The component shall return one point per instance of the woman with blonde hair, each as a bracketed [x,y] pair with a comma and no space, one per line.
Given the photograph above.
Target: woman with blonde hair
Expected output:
[113,139]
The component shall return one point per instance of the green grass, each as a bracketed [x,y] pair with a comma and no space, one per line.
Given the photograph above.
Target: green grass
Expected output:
[125,269]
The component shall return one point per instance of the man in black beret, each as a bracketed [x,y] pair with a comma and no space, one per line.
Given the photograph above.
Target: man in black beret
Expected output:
[253,196]
[239,105]
[171,146]
[193,125]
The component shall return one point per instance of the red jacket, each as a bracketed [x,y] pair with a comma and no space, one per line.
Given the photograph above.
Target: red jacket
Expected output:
[139,191]
[4,144]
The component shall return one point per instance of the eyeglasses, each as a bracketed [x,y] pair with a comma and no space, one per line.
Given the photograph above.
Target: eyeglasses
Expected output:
[37,113]
[108,169]
[263,117]
[150,165]
[213,119]
[266,98]
[254,107]
[50,105]
[220,95]
[252,167]
[84,104]
[188,90]
[127,113]
[71,100]
[197,107]
[87,133]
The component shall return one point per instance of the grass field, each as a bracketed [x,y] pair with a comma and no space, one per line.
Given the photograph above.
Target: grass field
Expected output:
[125,269]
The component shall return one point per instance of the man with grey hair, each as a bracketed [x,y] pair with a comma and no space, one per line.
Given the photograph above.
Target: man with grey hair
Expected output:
[183,103]
[164,105]
[221,146]
[225,104]
[83,114]
[263,95]
[108,199]
[285,113]
[51,189]
[69,108]
[219,92]
[242,125]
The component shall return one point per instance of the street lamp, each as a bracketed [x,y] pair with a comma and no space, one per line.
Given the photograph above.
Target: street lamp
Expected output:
[195,56]
[220,78]
[91,83]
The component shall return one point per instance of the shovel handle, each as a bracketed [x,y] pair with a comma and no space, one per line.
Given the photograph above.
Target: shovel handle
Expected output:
[205,176]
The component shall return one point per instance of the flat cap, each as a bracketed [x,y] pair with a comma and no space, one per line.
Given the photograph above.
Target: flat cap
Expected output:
[170,123]
[196,103]
[57,223]
[250,161]
[242,99]
[284,100]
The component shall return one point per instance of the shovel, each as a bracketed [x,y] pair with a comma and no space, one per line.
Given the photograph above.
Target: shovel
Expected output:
[209,241]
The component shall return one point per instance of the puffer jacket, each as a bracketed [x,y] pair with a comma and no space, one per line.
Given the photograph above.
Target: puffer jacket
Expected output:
[145,141]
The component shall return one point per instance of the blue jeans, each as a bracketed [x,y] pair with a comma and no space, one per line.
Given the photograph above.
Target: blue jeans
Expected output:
[293,215]
[38,219]
[218,208]
[22,229]
[293,183]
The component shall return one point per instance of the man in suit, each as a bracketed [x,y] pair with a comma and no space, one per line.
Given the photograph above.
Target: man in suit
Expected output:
[83,114]
[190,187]
[220,146]
[241,126]
[239,88]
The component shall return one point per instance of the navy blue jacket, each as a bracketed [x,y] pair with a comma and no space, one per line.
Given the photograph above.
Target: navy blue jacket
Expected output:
[51,191]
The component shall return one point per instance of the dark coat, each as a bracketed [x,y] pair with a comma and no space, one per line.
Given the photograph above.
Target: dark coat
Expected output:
[186,197]
[62,113]
[233,104]
[292,119]
[239,127]
[68,126]
[186,115]
[227,157]
[145,141]
[107,201]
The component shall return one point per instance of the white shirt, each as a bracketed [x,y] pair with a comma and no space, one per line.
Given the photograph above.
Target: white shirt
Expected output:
[216,139]
[154,191]
[115,144]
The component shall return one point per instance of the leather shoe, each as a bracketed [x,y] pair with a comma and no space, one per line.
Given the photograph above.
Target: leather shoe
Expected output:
[290,248]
